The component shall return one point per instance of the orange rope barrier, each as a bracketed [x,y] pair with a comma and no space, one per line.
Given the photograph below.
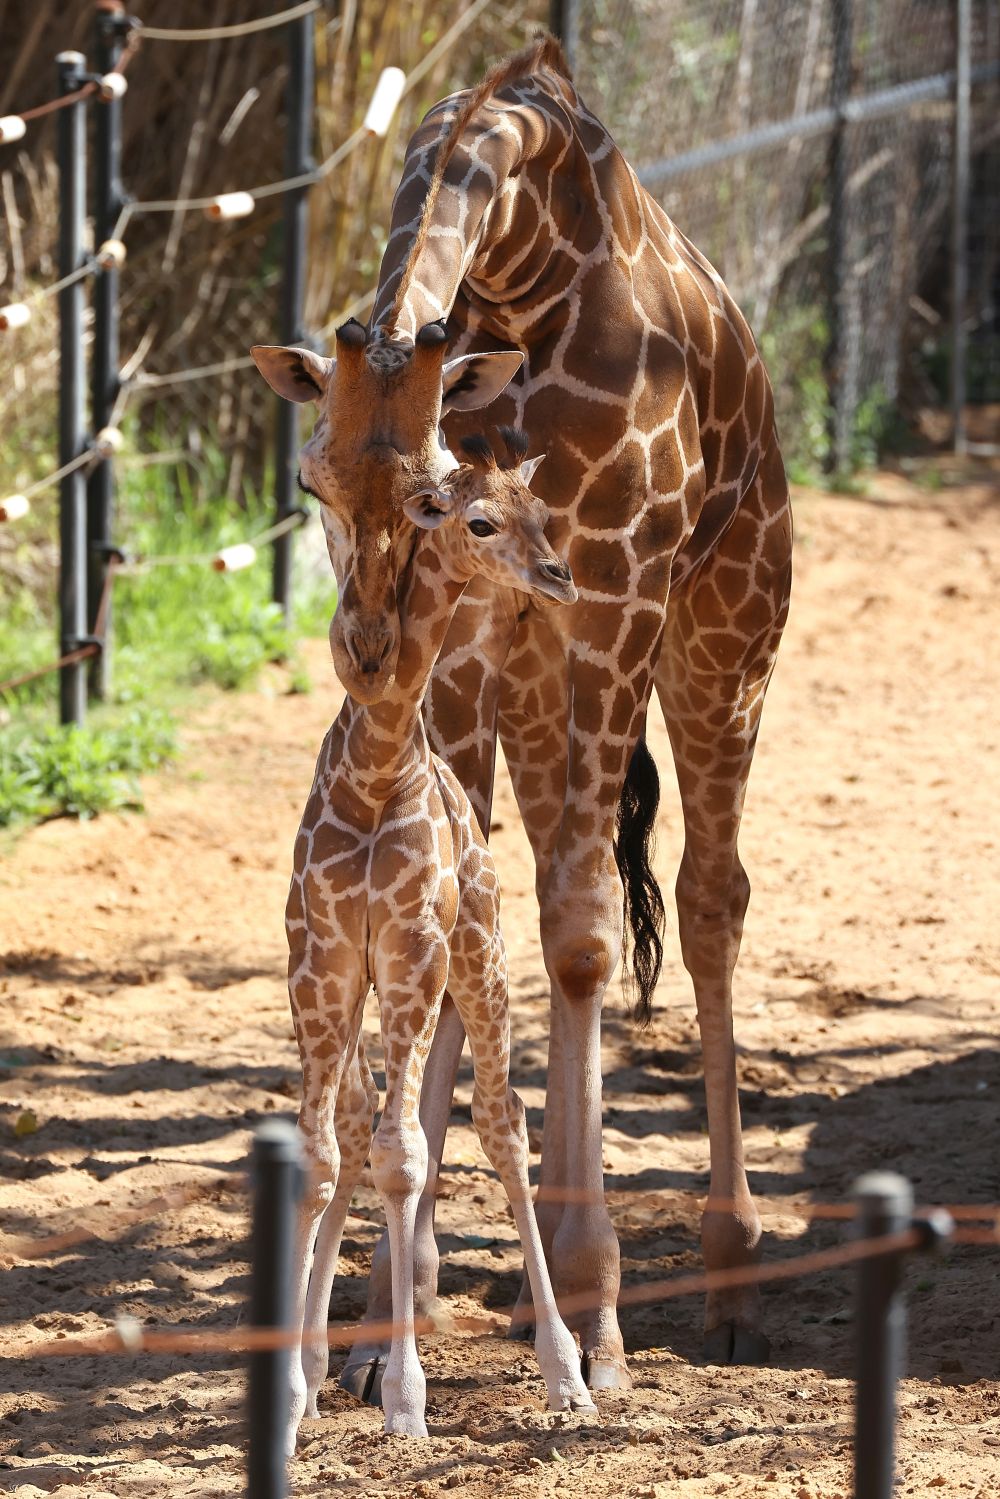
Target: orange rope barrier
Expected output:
[129,1337]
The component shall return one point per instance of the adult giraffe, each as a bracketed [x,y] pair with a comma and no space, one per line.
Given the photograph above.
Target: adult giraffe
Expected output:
[519,222]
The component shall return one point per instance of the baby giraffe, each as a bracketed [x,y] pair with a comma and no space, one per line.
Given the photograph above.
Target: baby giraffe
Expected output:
[395,886]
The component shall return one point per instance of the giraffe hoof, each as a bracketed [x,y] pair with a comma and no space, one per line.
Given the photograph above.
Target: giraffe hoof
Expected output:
[604,1373]
[731,1344]
[363,1378]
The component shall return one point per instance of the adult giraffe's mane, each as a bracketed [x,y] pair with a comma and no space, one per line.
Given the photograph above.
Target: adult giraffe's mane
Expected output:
[543,53]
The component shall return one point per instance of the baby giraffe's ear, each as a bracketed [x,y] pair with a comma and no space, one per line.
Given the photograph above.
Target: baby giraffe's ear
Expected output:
[428,508]
[528,468]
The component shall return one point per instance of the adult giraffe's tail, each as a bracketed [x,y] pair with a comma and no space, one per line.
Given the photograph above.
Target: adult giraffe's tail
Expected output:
[635,841]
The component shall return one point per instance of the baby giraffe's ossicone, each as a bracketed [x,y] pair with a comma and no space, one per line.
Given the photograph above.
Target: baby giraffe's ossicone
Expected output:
[394,886]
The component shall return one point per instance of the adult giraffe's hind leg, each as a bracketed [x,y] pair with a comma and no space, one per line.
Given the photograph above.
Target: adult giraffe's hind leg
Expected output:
[722,632]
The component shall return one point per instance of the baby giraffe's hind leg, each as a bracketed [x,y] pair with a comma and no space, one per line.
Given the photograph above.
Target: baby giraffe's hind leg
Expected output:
[479,985]
[357,1101]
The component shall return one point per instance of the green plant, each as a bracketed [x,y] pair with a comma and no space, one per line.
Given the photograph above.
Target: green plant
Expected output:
[80,771]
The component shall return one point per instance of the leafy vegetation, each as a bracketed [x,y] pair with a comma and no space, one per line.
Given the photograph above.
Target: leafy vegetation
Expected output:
[175,628]
[80,771]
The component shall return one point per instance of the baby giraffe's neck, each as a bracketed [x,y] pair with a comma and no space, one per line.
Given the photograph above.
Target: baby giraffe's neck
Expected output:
[385,745]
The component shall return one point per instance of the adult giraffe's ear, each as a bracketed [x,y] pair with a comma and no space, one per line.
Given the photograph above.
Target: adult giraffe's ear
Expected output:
[475,380]
[295,374]
[528,468]
[428,508]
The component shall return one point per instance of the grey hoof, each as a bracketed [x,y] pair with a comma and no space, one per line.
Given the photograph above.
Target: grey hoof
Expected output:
[731,1344]
[363,1379]
[603,1373]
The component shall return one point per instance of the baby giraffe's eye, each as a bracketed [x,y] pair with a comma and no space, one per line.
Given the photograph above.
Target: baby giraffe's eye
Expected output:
[482,528]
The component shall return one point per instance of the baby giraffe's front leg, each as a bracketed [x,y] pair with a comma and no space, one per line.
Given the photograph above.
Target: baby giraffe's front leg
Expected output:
[409,1013]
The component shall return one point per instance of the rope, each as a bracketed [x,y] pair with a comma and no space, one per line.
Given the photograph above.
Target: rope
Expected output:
[200,372]
[88,267]
[60,473]
[84,92]
[219,33]
[306,179]
[266,190]
[82,652]
[130,1337]
[53,104]
[140,565]
[153,1207]
[441,47]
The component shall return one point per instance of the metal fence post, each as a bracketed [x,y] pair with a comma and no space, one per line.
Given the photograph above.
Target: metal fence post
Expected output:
[885,1206]
[110,26]
[838,356]
[277,1178]
[960,220]
[564,23]
[298,159]
[72,434]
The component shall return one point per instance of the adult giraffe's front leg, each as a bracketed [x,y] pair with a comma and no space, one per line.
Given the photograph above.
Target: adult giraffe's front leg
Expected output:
[723,628]
[605,689]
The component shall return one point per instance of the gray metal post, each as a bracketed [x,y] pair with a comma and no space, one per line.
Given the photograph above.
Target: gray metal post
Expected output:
[277,1179]
[960,220]
[298,159]
[111,26]
[885,1206]
[564,22]
[72,433]
[838,383]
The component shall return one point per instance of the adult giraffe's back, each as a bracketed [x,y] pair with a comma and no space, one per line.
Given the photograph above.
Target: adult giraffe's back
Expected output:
[519,222]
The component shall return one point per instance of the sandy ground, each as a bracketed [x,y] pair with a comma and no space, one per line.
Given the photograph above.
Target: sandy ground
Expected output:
[143,1024]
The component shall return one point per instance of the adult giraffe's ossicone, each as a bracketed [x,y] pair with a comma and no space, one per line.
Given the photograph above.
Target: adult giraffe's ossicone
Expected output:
[519,223]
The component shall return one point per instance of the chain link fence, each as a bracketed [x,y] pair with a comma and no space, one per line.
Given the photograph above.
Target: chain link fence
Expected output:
[807,147]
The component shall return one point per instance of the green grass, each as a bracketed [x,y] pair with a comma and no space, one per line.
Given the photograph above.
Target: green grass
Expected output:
[80,771]
[175,628]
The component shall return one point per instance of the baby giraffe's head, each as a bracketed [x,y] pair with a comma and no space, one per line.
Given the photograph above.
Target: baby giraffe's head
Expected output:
[491,523]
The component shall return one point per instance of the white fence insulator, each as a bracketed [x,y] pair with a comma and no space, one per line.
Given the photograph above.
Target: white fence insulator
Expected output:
[12,128]
[111,255]
[230,206]
[107,442]
[388,92]
[112,86]
[14,507]
[232,559]
[15,315]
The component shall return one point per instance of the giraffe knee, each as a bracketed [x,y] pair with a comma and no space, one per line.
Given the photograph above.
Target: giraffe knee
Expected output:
[582,967]
[399,1163]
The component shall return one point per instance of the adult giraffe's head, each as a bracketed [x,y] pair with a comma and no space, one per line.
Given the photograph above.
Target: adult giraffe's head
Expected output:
[375,444]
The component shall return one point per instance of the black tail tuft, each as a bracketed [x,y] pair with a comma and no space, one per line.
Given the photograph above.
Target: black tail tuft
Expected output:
[635,841]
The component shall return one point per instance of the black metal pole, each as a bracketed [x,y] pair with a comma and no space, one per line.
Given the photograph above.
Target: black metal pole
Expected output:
[837,356]
[885,1206]
[960,220]
[298,159]
[110,26]
[564,22]
[277,1178]
[72,434]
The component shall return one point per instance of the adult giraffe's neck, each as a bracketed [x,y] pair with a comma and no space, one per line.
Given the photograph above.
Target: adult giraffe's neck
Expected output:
[445,223]
[385,741]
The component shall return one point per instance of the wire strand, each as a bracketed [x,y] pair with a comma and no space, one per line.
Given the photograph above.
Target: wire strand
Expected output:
[219,33]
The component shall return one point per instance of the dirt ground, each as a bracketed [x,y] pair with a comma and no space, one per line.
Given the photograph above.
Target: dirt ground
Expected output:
[144,1031]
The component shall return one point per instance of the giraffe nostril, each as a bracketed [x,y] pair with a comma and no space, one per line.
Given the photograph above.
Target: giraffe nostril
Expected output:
[559,571]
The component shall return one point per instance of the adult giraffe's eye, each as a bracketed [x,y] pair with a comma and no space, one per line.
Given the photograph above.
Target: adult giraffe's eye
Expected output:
[482,528]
